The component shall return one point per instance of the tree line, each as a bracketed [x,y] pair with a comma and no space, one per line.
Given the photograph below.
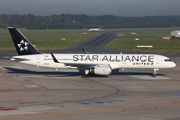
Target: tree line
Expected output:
[70,21]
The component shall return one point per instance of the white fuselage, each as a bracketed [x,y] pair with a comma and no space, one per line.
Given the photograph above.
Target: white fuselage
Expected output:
[115,61]
[95,29]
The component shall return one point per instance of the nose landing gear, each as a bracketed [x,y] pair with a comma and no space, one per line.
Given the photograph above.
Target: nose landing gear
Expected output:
[155,72]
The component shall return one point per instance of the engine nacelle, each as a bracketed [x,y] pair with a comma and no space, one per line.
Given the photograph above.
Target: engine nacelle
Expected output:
[102,70]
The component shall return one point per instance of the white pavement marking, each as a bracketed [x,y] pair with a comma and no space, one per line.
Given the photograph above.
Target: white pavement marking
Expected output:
[14,112]
[37,108]
[31,86]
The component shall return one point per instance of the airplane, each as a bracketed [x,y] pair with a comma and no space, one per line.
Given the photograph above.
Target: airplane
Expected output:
[95,29]
[100,64]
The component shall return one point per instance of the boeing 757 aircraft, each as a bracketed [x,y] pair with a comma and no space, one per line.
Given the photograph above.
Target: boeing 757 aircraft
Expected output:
[101,64]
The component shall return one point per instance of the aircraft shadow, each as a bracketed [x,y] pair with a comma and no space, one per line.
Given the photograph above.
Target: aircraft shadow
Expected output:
[58,73]
[69,73]
[136,73]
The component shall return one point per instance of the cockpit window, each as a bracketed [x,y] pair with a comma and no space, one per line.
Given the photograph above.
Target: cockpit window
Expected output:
[167,60]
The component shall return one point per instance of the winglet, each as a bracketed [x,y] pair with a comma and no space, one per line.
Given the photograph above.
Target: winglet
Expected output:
[54,58]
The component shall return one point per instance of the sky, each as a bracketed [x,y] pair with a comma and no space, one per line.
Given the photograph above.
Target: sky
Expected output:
[91,7]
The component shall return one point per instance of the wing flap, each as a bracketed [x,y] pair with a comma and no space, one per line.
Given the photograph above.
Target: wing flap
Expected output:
[81,65]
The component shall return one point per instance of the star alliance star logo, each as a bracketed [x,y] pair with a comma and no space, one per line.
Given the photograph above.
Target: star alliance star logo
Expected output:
[23,45]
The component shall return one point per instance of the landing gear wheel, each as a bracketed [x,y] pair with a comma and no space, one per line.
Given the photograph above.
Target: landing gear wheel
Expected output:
[154,75]
[87,73]
[83,76]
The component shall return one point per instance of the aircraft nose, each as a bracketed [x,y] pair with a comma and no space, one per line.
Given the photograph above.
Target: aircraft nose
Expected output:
[173,64]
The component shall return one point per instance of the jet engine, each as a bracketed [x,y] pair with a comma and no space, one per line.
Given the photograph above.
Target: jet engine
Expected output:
[101,70]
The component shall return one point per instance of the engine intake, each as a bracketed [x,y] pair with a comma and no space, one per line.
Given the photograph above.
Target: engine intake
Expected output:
[102,70]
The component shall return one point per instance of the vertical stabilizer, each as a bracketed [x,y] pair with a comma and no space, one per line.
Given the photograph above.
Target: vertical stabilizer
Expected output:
[21,43]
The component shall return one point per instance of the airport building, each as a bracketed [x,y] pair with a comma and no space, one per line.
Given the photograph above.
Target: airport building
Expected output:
[175,33]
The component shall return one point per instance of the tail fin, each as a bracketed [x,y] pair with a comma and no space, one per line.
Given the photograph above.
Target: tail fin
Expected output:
[22,44]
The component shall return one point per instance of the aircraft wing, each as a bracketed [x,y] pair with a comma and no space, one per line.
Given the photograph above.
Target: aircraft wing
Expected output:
[78,65]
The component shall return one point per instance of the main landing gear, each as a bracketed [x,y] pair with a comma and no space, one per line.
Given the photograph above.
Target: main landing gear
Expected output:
[87,73]
[155,72]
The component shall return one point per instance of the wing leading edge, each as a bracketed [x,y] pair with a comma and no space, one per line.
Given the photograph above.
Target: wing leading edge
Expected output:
[78,65]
